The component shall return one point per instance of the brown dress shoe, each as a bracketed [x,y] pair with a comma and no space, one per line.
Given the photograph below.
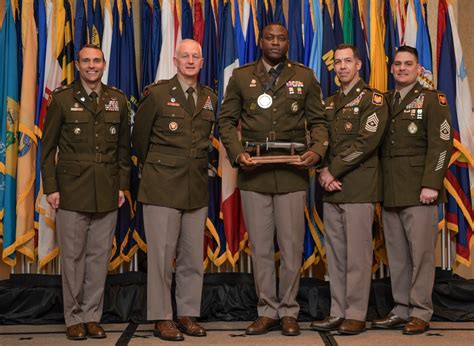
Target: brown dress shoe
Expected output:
[328,324]
[351,327]
[390,321]
[415,326]
[189,326]
[167,330]
[76,332]
[95,331]
[289,326]
[262,326]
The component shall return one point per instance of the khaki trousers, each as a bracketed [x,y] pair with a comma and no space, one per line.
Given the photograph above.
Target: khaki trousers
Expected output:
[169,233]
[410,236]
[85,242]
[264,214]
[348,236]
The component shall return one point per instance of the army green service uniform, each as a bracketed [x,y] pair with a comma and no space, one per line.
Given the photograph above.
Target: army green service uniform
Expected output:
[172,143]
[93,164]
[273,195]
[415,154]
[357,121]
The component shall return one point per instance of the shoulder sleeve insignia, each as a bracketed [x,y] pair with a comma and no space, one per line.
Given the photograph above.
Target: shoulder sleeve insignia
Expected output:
[442,100]
[146,92]
[50,99]
[377,99]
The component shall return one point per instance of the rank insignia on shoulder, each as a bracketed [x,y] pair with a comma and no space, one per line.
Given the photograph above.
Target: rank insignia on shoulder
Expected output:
[377,99]
[442,100]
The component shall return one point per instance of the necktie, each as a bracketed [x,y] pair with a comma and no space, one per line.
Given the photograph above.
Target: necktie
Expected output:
[396,101]
[273,75]
[191,103]
[93,97]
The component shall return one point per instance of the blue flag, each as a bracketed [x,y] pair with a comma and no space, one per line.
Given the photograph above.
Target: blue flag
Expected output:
[295,33]
[239,34]
[40,17]
[80,30]
[187,29]
[308,32]
[360,42]
[315,59]
[392,41]
[97,24]
[114,63]
[338,33]
[251,46]
[151,41]
[209,49]
[328,75]
[279,16]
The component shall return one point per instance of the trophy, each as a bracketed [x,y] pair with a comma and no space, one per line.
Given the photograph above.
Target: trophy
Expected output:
[267,145]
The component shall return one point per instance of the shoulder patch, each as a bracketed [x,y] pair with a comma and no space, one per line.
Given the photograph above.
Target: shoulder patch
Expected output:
[377,99]
[50,99]
[442,99]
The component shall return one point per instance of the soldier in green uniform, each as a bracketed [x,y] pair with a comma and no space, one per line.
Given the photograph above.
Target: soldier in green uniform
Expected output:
[88,124]
[171,135]
[352,180]
[277,100]
[415,156]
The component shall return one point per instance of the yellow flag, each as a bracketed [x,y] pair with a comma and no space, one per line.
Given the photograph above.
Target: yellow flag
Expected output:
[26,169]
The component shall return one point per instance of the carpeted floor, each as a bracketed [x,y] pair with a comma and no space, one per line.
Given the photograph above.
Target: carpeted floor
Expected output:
[232,333]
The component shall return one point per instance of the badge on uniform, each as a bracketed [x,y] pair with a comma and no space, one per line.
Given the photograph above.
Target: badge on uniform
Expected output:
[348,126]
[295,107]
[253,83]
[377,99]
[352,156]
[252,106]
[173,126]
[208,104]
[412,128]
[442,100]
[372,123]
[76,108]
[419,113]
[172,102]
[112,106]
[77,131]
[445,131]
[356,101]
[440,163]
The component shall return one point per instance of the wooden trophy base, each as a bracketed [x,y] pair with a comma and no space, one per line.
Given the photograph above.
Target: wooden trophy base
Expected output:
[276,159]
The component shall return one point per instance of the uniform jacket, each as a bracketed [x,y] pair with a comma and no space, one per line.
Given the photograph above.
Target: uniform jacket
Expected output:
[417,147]
[172,145]
[357,122]
[94,148]
[296,113]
